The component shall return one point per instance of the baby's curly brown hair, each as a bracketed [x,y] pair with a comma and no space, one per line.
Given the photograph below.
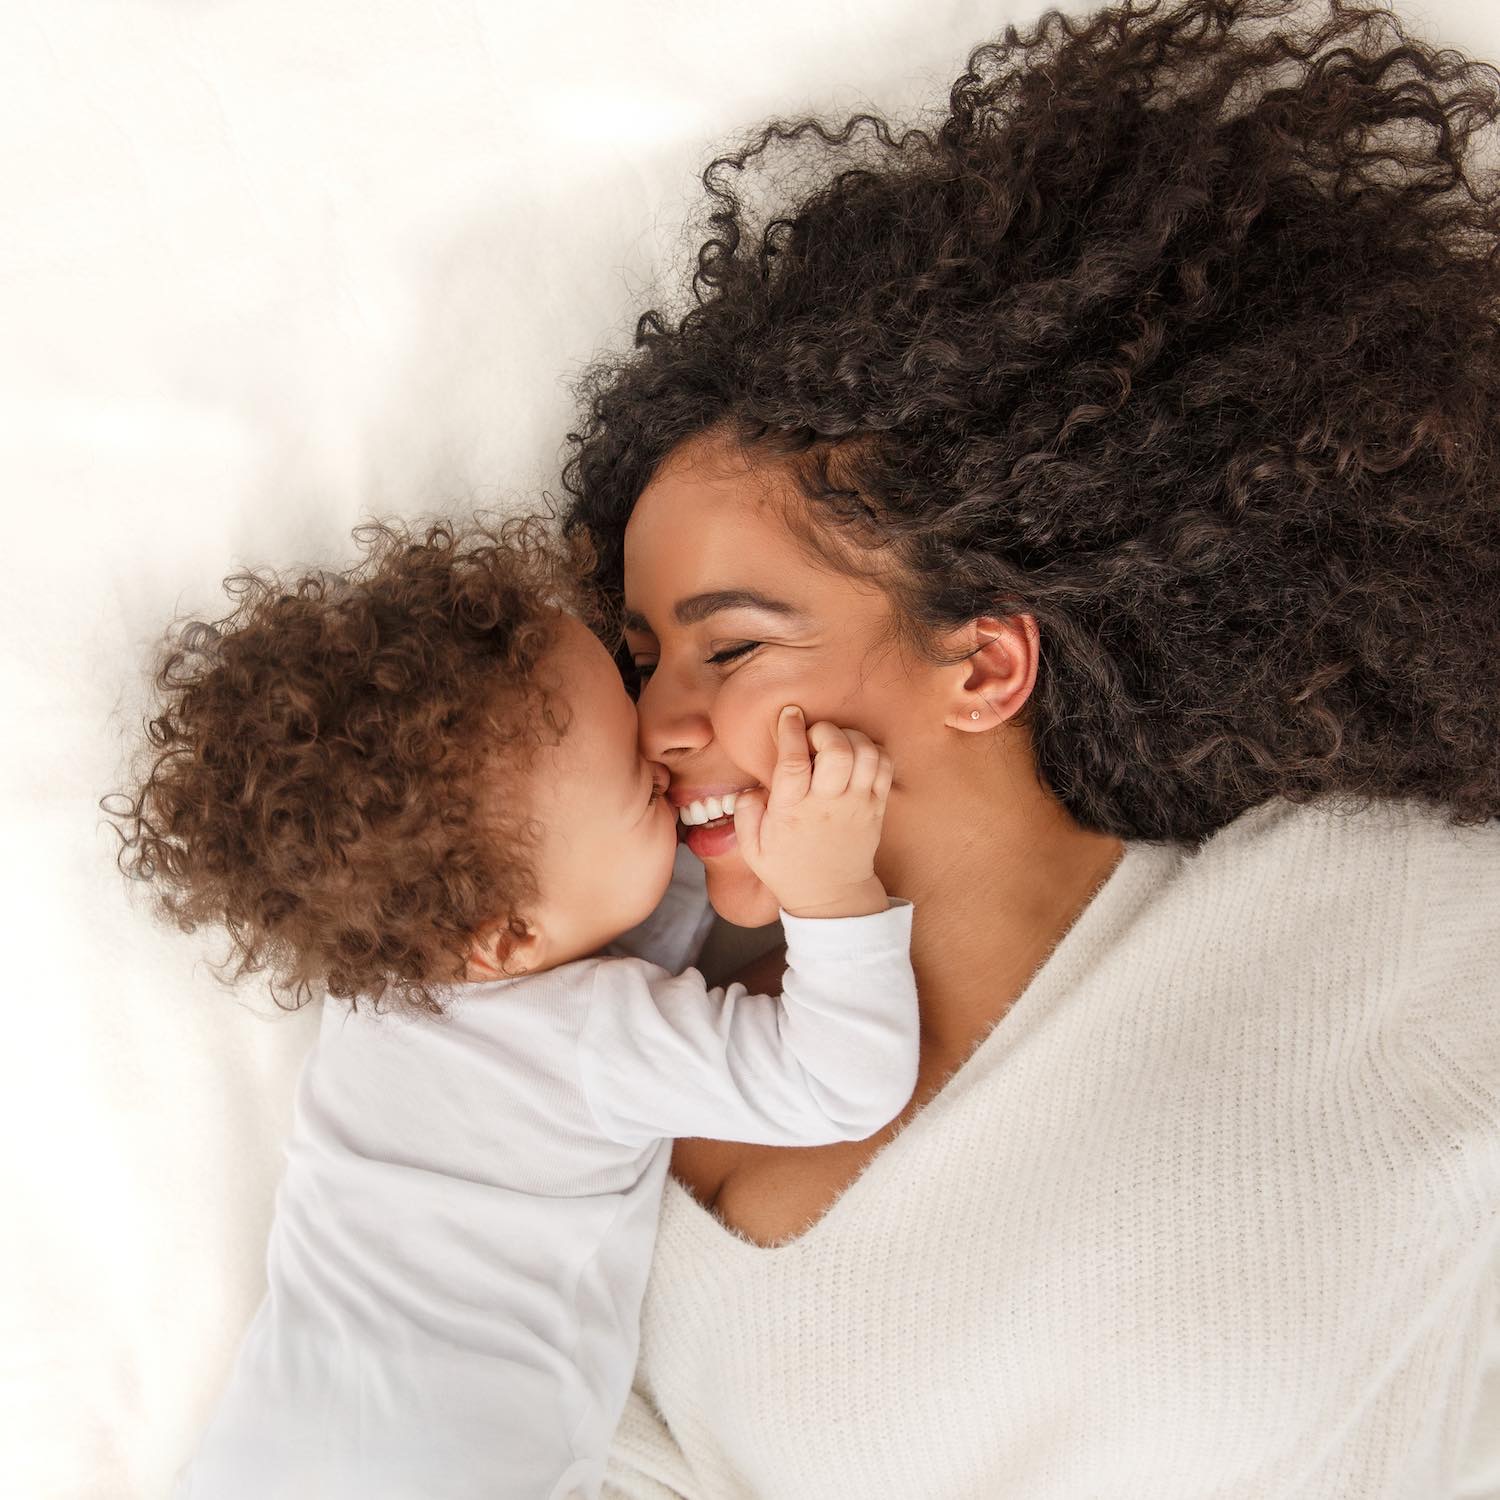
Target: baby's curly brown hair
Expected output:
[323,770]
[1180,330]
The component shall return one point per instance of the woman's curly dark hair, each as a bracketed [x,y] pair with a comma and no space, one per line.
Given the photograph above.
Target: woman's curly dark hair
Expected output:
[323,773]
[1180,333]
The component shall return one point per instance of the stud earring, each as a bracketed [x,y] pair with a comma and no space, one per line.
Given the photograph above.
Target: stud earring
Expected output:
[974,714]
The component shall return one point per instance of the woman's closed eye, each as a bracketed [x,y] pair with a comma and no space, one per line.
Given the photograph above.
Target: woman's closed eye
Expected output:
[733,653]
[645,667]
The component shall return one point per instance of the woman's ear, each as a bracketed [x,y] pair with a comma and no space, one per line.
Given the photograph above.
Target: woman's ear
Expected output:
[498,951]
[991,684]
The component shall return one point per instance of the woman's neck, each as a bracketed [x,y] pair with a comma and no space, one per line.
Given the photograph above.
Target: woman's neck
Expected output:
[998,871]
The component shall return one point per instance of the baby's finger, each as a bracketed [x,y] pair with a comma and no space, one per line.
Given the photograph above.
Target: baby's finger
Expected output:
[866,761]
[749,812]
[881,790]
[833,759]
[794,768]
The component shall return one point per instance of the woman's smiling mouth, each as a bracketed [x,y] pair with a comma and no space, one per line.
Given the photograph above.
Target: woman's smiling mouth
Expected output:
[705,817]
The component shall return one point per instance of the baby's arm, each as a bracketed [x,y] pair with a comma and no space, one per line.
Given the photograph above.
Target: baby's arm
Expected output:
[835,1057]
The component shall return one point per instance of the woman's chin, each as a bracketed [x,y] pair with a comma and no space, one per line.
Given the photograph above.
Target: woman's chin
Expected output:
[737,895]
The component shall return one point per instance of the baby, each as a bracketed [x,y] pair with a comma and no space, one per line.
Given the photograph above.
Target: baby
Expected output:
[416,786]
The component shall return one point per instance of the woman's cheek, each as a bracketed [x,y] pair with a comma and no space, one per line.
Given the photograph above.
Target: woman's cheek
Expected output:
[744,721]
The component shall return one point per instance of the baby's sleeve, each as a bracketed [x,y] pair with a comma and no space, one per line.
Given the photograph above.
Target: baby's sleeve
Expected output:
[833,1058]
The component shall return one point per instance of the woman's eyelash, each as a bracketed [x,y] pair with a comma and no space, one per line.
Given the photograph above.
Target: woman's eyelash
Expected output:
[730,653]
[643,669]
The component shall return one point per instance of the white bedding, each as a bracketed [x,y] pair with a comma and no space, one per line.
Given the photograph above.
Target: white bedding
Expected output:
[267,268]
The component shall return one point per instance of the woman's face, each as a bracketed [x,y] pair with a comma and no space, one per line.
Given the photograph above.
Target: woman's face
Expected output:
[729,619]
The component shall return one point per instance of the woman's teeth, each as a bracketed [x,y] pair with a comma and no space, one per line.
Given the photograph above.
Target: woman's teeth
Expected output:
[708,809]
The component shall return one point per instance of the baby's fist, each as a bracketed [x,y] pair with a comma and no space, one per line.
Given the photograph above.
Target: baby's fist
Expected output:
[811,837]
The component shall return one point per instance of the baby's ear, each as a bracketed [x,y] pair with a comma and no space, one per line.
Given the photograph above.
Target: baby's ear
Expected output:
[498,951]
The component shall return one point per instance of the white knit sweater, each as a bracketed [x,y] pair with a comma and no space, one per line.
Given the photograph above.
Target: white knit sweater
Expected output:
[1212,1213]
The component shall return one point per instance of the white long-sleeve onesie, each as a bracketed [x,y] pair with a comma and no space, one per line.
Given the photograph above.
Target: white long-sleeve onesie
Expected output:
[464,1229]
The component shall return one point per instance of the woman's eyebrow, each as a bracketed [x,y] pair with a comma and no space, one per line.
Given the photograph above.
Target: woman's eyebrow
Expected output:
[698,607]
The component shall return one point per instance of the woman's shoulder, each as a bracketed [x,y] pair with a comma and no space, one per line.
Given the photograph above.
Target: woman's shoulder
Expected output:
[1353,856]
[1387,874]
[1348,828]
[1398,897]
[1453,968]
[1386,913]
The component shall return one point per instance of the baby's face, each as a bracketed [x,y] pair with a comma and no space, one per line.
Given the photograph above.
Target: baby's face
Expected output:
[609,834]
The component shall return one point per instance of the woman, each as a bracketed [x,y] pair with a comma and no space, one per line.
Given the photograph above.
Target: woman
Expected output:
[1122,454]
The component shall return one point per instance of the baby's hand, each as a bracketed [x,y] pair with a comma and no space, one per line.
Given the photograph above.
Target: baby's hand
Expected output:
[811,840]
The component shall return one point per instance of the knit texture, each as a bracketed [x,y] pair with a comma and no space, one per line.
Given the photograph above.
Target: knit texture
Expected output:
[1213,1212]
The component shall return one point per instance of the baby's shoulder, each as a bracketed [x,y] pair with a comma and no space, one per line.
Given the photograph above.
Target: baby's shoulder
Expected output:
[625,978]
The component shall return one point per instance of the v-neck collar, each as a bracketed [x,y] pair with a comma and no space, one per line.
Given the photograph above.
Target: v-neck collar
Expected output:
[1140,871]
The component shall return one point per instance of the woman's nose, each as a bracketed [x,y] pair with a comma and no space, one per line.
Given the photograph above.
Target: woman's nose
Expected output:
[674,723]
